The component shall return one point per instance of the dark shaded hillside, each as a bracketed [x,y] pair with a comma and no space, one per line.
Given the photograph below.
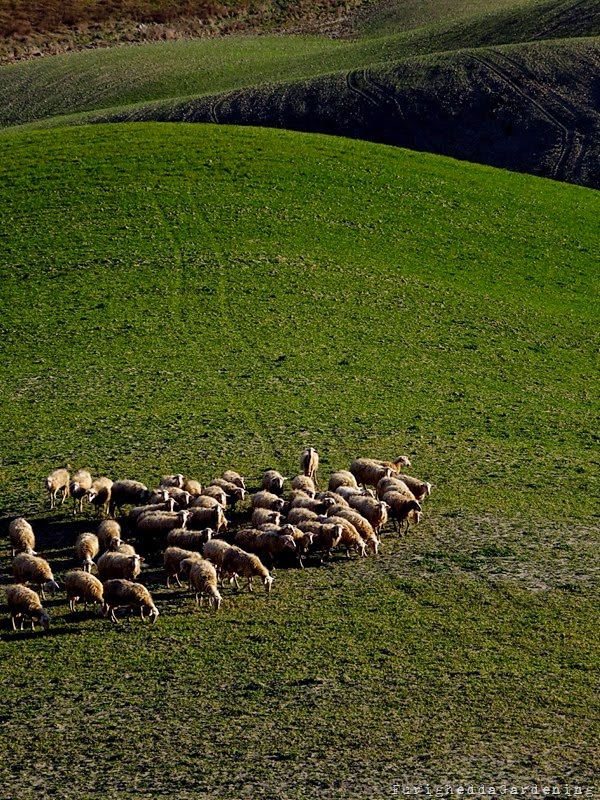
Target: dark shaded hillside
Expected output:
[532,108]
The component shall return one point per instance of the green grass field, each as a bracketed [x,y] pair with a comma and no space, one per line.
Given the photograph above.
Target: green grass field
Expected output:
[190,298]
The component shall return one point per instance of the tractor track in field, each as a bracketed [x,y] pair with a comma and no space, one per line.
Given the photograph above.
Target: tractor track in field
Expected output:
[545,34]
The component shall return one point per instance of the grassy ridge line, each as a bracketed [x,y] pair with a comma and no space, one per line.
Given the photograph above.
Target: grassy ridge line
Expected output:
[281,303]
[85,81]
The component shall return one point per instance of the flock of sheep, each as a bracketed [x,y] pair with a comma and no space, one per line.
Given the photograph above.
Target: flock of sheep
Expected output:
[188,523]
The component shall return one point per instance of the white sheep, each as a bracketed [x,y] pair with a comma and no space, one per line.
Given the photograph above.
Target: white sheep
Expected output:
[235,494]
[136,513]
[214,550]
[87,548]
[217,493]
[272,481]
[172,559]
[234,477]
[420,489]
[318,506]
[302,539]
[368,472]
[401,461]
[129,492]
[374,511]
[99,494]
[362,525]
[36,570]
[58,481]
[119,593]
[351,538]
[263,516]
[297,515]
[206,501]
[24,602]
[309,463]
[180,497]
[392,484]
[80,485]
[202,577]
[341,478]
[346,491]
[265,544]
[21,536]
[192,486]
[81,585]
[119,565]
[304,484]
[163,521]
[238,563]
[265,499]
[402,509]
[189,540]
[201,518]
[176,481]
[109,534]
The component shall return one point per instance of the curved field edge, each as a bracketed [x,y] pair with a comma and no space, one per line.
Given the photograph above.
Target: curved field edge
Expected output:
[195,297]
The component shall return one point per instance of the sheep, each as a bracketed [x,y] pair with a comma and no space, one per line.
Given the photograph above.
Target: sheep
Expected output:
[162,521]
[189,540]
[368,472]
[375,511]
[217,493]
[192,486]
[125,549]
[341,478]
[207,518]
[309,463]
[264,499]
[176,481]
[420,489]
[326,535]
[392,484]
[362,525]
[99,494]
[345,491]
[401,508]
[172,559]
[87,548]
[304,484]
[234,477]
[401,461]
[119,565]
[214,550]
[297,515]
[205,501]
[136,513]
[81,585]
[235,494]
[303,540]
[79,487]
[203,581]
[261,516]
[109,534]
[58,481]
[120,592]
[24,602]
[351,538]
[185,565]
[21,536]
[265,544]
[318,506]
[36,570]
[180,497]
[236,563]
[128,492]
[272,481]
[334,497]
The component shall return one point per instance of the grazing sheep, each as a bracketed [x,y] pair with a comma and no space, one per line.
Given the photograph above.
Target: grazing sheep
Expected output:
[265,544]
[119,565]
[368,472]
[24,602]
[83,586]
[374,511]
[214,551]
[238,563]
[205,501]
[87,548]
[79,487]
[128,492]
[312,504]
[58,481]
[304,484]
[346,491]
[189,540]
[234,477]
[172,562]
[157,522]
[272,481]
[99,494]
[262,516]
[119,593]
[341,478]
[362,525]
[36,570]
[125,549]
[326,535]
[180,497]
[207,518]
[192,486]
[203,581]
[21,536]
[235,494]
[136,513]
[351,538]
[334,497]
[109,534]
[420,489]
[297,515]
[177,481]
[401,508]
[303,540]
[309,463]
[185,566]
[264,499]
[392,484]
[217,493]
[401,461]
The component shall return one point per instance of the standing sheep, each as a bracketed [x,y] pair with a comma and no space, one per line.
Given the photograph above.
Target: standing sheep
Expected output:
[420,489]
[80,485]
[172,562]
[162,521]
[189,540]
[24,602]
[119,565]
[192,486]
[128,492]
[374,511]
[234,477]
[58,481]
[99,494]
[309,463]
[207,518]
[87,548]
[202,577]
[21,536]
[36,570]
[217,493]
[362,525]
[235,494]
[176,481]
[264,499]
[368,472]
[351,538]
[109,534]
[83,586]
[402,508]
[262,516]
[304,484]
[236,563]
[272,481]
[119,593]
[341,478]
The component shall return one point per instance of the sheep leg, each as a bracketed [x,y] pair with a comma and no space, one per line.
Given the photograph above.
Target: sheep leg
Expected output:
[113,616]
[12,617]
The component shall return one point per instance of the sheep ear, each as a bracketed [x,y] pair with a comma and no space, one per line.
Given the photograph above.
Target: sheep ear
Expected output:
[142,558]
